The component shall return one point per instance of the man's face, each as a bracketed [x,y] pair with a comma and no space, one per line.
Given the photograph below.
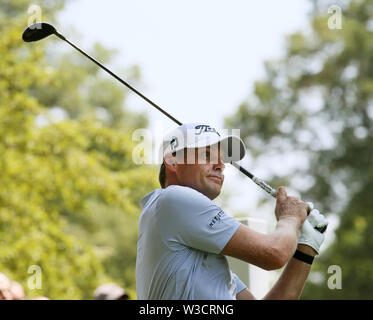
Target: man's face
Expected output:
[202,172]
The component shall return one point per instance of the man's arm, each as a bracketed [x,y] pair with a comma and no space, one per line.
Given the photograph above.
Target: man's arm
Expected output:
[291,282]
[293,278]
[267,251]
[270,251]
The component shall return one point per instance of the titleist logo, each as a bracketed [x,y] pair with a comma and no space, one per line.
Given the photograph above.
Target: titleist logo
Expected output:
[205,128]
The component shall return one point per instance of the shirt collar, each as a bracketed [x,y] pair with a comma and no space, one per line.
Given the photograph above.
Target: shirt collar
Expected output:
[150,195]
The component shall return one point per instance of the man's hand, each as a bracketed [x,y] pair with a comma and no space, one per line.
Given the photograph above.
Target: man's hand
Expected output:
[290,207]
[309,236]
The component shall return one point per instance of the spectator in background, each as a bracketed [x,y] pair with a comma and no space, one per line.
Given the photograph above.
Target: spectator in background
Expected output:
[16,291]
[110,291]
[5,293]
[10,290]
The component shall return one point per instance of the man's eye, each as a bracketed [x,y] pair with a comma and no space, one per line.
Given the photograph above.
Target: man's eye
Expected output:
[205,155]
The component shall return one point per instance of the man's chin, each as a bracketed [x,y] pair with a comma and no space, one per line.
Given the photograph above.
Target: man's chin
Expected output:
[213,192]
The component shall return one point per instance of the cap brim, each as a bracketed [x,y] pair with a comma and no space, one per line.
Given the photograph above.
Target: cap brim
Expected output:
[232,147]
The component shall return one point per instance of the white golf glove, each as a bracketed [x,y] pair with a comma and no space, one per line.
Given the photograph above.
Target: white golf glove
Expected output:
[309,235]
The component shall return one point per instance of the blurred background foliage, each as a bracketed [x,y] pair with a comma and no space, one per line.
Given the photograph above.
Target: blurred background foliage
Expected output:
[69,189]
[316,102]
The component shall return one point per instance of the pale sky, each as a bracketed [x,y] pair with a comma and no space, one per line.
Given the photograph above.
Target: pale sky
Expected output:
[198,59]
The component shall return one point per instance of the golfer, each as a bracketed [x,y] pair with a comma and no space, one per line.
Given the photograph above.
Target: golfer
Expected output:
[184,237]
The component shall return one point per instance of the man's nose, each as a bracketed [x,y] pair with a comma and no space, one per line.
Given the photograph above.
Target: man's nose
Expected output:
[219,165]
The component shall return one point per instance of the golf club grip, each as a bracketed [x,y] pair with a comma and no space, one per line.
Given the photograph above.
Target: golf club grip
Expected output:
[266,187]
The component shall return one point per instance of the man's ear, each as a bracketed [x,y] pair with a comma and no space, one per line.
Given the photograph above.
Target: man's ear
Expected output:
[170,161]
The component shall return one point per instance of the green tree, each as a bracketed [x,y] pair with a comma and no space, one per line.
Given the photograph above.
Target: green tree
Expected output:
[316,103]
[69,188]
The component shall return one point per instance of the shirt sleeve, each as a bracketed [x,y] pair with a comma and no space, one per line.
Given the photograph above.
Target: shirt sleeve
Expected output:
[239,284]
[187,217]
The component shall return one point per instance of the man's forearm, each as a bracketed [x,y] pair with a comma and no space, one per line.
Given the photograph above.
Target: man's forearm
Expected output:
[291,282]
[285,238]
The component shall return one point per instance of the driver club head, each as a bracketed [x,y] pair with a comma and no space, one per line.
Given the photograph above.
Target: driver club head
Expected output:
[38,31]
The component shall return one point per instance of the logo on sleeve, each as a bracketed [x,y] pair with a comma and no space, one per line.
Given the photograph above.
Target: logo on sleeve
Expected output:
[216,219]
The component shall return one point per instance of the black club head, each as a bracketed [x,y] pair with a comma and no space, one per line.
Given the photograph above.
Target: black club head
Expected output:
[38,31]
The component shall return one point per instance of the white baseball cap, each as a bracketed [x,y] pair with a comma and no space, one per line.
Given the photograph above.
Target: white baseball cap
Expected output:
[197,135]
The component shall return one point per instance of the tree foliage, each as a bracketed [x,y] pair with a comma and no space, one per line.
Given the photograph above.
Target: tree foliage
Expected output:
[316,103]
[69,189]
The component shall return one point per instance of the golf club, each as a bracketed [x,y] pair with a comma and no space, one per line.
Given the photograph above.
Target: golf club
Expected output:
[41,30]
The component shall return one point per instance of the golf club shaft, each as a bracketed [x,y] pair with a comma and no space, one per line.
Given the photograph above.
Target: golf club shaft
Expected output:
[43,30]
[119,79]
[266,187]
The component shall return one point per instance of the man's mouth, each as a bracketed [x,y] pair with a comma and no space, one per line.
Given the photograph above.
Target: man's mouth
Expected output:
[216,178]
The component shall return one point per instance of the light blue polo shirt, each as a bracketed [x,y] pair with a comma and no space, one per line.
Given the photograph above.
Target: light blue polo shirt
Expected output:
[181,236]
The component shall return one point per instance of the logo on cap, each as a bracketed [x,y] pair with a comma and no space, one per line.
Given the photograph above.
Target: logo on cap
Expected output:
[174,143]
[205,128]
